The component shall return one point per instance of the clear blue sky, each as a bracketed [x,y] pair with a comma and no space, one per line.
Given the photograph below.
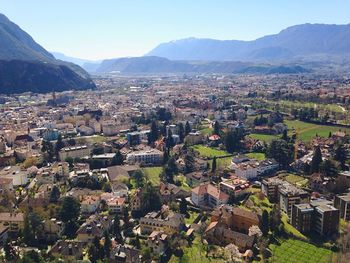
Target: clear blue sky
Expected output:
[97,29]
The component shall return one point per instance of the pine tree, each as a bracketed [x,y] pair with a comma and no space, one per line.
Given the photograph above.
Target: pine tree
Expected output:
[107,245]
[213,165]
[187,128]
[216,128]
[316,160]
[55,194]
[183,206]
[154,134]
[181,132]
[341,155]
[265,223]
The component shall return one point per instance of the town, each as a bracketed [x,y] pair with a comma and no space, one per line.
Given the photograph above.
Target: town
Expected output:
[180,168]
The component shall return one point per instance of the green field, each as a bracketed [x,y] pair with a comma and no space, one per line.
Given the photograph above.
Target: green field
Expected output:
[182,179]
[296,180]
[152,174]
[293,250]
[195,253]
[290,229]
[205,151]
[309,130]
[191,218]
[221,163]
[263,137]
[257,156]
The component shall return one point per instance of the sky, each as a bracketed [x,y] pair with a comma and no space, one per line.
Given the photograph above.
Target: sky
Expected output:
[100,29]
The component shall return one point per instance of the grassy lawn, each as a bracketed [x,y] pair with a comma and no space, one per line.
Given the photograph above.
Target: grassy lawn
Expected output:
[206,131]
[290,229]
[309,130]
[292,250]
[94,138]
[205,151]
[194,253]
[262,204]
[152,173]
[181,178]
[193,216]
[296,180]
[263,137]
[257,156]
[221,163]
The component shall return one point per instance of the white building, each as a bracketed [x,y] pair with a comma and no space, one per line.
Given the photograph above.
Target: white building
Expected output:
[74,152]
[152,157]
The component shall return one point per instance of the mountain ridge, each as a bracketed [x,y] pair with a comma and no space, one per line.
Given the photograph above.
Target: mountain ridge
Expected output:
[27,66]
[292,43]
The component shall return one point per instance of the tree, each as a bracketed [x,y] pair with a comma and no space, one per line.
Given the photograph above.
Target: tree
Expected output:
[55,194]
[150,200]
[107,244]
[10,252]
[27,231]
[118,159]
[154,134]
[340,155]
[138,176]
[183,206]
[213,165]
[31,229]
[169,142]
[181,130]
[59,144]
[189,163]
[187,128]
[69,214]
[316,160]
[216,128]
[265,223]
[116,229]
[275,218]
[329,168]
[70,162]
[285,135]
[281,151]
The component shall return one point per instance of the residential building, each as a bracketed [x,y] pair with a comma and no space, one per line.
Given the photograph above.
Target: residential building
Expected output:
[15,221]
[342,202]
[157,241]
[150,157]
[19,177]
[153,221]
[74,152]
[326,220]
[301,217]
[70,250]
[208,195]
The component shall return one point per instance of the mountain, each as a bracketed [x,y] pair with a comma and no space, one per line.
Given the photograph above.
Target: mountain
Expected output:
[157,65]
[27,66]
[300,41]
[77,61]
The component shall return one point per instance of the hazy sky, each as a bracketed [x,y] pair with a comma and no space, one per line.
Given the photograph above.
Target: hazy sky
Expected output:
[97,29]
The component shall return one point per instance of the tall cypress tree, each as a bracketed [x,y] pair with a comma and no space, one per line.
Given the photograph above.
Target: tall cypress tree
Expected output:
[316,160]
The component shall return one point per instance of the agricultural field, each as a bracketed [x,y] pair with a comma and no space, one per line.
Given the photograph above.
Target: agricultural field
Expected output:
[205,151]
[309,130]
[152,174]
[292,250]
